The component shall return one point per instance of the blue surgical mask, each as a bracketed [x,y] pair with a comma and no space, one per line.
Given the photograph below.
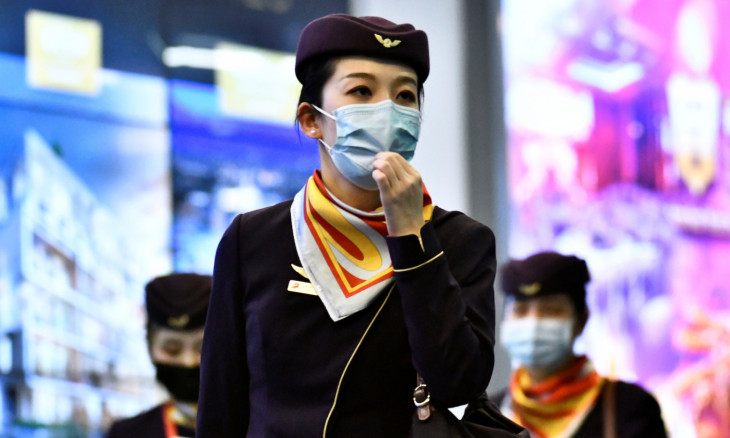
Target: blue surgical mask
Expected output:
[540,343]
[365,129]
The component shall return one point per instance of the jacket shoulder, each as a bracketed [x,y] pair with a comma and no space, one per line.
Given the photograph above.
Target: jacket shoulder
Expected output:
[633,394]
[637,414]
[260,222]
[146,424]
[464,239]
[451,221]
[268,215]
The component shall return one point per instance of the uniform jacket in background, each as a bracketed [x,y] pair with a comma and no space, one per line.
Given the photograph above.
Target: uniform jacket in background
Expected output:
[149,424]
[637,414]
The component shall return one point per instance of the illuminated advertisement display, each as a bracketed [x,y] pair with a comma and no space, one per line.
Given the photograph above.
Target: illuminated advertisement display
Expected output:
[224,165]
[85,195]
[618,117]
[63,52]
[131,134]
[97,196]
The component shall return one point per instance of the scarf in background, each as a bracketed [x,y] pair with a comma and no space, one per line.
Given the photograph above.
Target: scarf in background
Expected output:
[557,406]
[343,250]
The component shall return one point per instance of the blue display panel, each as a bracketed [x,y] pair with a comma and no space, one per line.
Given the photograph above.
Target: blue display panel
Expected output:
[84,224]
[90,189]
[88,211]
[223,166]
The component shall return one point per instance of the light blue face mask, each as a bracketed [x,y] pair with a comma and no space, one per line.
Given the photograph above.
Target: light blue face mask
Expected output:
[540,343]
[365,129]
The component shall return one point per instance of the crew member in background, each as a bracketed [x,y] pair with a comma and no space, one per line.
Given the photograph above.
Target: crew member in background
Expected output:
[177,305]
[553,392]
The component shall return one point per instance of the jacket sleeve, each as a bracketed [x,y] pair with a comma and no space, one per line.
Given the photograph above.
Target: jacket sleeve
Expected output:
[447,295]
[113,431]
[223,405]
[637,413]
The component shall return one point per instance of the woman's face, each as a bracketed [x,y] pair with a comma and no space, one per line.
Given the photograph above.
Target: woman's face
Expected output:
[366,80]
[172,347]
[556,306]
[550,306]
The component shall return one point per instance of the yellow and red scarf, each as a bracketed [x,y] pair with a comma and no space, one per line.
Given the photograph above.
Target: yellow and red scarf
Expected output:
[173,421]
[343,250]
[555,407]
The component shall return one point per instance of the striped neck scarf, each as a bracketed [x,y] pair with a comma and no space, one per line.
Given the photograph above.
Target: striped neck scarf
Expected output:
[557,406]
[343,250]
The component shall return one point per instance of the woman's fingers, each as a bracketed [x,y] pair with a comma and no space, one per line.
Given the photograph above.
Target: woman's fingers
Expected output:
[395,171]
[401,193]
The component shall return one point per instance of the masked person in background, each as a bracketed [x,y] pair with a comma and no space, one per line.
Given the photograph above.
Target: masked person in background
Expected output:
[177,305]
[326,306]
[554,393]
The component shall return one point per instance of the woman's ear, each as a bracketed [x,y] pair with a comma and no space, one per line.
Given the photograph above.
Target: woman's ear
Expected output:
[307,116]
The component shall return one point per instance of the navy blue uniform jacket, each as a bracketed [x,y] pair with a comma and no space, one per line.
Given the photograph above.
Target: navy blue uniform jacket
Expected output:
[275,365]
[637,414]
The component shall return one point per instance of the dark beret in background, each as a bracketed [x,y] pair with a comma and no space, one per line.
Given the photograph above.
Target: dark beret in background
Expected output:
[546,273]
[178,301]
[341,34]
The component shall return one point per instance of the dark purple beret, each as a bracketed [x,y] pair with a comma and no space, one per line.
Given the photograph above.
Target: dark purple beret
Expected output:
[178,301]
[547,273]
[341,35]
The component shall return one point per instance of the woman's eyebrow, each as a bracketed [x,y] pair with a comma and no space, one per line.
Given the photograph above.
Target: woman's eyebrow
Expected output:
[407,80]
[361,75]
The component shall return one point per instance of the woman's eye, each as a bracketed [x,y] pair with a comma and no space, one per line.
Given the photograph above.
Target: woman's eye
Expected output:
[172,348]
[553,311]
[362,91]
[407,96]
[519,310]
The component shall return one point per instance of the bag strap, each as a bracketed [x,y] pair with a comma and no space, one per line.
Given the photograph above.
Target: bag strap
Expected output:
[609,409]
[422,399]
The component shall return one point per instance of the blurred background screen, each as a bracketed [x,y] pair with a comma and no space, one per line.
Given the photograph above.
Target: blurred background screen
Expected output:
[131,133]
[618,114]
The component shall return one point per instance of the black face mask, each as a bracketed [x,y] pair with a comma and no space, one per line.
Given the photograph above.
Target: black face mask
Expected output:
[182,382]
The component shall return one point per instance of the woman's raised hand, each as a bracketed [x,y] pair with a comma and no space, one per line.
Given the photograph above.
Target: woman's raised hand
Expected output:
[401,193]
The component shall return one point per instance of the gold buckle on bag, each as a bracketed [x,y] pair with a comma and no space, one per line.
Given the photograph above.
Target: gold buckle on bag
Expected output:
[423,407]
[421,391]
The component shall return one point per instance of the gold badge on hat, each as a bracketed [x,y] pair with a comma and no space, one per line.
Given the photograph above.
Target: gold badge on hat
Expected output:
[179,322]
[386,42]
[529,289]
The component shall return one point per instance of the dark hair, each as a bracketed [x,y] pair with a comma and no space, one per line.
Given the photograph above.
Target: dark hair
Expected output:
[318,72]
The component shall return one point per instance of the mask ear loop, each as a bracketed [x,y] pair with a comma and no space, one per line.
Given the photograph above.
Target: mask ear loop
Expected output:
[326,146]
[326,114]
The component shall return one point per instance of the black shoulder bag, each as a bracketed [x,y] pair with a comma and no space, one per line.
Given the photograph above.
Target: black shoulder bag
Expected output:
[482,419]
